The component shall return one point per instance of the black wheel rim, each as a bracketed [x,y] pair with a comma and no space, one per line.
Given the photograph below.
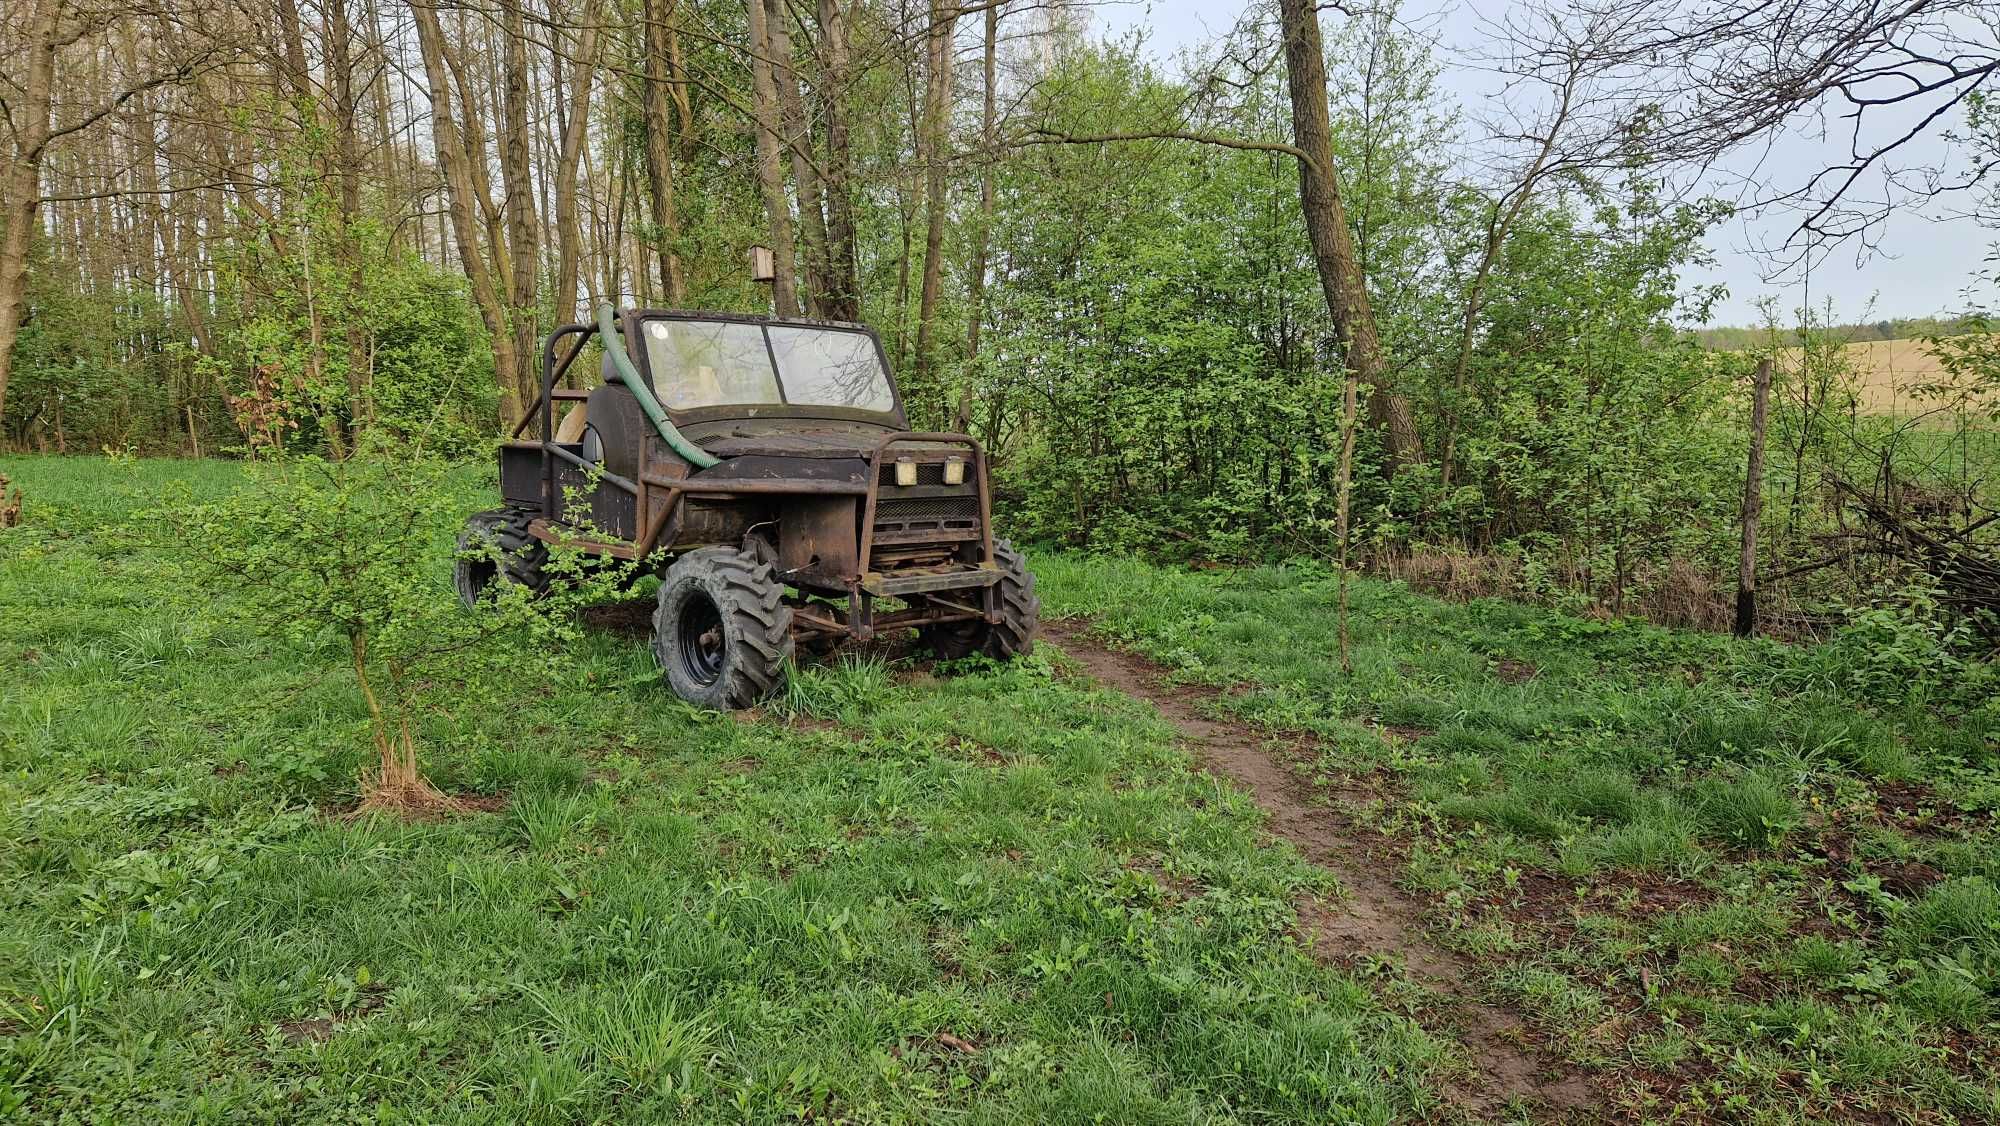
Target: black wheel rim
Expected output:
[701,643]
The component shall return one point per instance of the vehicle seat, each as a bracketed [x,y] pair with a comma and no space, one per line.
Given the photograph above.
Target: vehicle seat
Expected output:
[571,429]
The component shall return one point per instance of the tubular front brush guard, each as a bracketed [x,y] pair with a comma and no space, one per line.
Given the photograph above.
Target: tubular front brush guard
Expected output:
[875,464]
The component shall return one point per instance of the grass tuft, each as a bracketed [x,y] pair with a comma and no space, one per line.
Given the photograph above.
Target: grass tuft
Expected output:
[632,1034]
[544,820]
[845,689]
[1749,809]
[1958,912]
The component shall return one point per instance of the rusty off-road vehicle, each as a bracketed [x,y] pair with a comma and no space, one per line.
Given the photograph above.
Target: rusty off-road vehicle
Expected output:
[765,467]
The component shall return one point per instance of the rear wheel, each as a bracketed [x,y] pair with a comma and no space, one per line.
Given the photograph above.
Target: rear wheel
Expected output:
[1020,611]
[497,547]
[722,631]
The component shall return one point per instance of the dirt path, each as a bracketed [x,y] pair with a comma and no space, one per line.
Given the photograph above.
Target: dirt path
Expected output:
[1377,917]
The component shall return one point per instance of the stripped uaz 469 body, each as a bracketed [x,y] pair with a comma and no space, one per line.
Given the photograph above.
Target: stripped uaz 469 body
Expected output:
[766,467]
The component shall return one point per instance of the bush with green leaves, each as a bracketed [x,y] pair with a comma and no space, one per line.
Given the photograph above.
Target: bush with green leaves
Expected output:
[1163,376]
[347,329]
[356,553]
[1910,648]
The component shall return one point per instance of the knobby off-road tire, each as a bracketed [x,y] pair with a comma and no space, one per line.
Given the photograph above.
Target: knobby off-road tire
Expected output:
[722,632]
[497,547]
[1020,611]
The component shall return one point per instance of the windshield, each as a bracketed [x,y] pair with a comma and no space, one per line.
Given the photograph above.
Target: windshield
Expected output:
[731,363]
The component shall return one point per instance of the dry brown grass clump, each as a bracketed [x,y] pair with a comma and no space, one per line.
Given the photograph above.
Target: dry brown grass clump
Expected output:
[396,787]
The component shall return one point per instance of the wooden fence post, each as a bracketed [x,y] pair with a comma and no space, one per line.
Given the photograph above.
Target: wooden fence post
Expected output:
[1753,504]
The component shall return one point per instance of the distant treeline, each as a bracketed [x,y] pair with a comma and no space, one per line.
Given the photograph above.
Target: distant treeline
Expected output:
[1733,338]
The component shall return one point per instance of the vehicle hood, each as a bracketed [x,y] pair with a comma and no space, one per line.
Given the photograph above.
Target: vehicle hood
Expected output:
[792,440]
[830,440]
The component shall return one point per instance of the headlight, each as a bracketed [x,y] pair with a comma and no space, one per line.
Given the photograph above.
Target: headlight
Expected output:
[906,471]
[954,471]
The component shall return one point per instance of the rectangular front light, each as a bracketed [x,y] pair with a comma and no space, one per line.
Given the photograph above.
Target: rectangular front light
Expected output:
[906,471]
[954,471]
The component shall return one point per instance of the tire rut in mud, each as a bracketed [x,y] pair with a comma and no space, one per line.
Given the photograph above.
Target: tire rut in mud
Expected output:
[1377,917]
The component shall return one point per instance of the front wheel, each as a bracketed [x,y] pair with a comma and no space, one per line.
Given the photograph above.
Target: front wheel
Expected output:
[1020,612]
[722,631]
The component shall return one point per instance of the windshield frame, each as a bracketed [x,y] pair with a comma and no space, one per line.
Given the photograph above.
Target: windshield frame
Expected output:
[634,321]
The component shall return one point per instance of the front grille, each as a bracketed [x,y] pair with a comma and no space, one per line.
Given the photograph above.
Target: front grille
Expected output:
[939,511]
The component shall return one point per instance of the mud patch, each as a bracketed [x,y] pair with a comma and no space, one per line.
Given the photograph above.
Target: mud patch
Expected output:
[1908,879]
[318,1030]
[1377,918]
[1400,732]
[1921,811]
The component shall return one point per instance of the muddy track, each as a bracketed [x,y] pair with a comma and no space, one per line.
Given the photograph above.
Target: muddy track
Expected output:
[1376,918]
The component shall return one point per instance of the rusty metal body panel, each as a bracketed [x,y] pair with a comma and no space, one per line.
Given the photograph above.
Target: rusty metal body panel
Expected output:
[819,534]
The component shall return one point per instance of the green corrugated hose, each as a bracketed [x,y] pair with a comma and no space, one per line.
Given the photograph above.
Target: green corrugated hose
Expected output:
[607,335]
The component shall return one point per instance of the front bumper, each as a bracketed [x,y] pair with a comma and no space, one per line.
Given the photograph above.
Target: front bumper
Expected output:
[897,584]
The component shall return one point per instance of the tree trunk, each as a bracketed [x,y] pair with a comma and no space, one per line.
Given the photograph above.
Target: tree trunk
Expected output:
[375,90]
[677,83]
[292,74]
[798,143]
[473,139]
[179,248]
[1349,392]
[523,225]
[1340,274]
[770,172]
[612,239]
[983,238]
[296,77]
[843,298]
[1753,504]
[659,150]
[459,202]
[576,134]
[23,178]
[347,156]
[933,142]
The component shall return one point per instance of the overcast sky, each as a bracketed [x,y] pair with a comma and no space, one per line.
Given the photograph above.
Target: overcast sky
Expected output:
[1931,256]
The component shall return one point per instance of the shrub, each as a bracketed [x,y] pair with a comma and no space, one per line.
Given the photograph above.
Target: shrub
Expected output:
[1909,649]
[350,550]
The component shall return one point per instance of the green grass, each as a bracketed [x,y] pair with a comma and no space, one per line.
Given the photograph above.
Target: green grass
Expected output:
[1736,891]
[994,896]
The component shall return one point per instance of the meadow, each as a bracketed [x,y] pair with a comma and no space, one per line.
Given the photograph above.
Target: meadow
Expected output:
[1717,880]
